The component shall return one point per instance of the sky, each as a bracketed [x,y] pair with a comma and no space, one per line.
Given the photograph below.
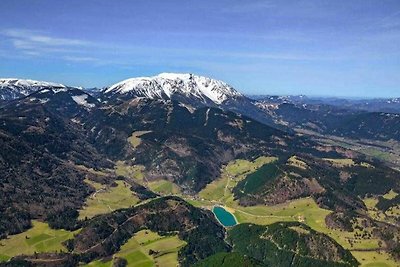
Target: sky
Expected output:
[312,47]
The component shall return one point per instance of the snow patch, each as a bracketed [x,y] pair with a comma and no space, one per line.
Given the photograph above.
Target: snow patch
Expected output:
[81,100]
[206,121]
[188,107]
[59,90]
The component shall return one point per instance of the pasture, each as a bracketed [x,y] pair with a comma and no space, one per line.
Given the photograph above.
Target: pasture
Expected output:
[40,238]
[147,248]
[232,174]
[107,199]
[135,172]
[164,187]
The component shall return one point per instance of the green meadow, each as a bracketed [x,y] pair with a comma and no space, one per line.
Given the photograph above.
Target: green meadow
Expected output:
[164,187]
[147,249]
[135,172]
[40,238]
[374,259]
[232,174]
[107,199]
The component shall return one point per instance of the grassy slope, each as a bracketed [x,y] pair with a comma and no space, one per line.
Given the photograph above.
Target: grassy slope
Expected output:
[134,139]
[108,199]
[40,238]
[136,251]
[296,162]
[164,187]
[389,215]
[234,172]
[390,195]
[257,180]
[341,162]
[374,259]
[134,172]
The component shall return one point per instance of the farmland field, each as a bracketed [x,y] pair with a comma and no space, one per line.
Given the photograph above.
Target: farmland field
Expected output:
[40,238]
[107,199]
[147,248]
[374,259]
[164,187]
[134,172]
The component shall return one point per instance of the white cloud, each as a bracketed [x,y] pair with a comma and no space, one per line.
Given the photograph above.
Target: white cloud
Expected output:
[36,43]
[41,44]
[35,37]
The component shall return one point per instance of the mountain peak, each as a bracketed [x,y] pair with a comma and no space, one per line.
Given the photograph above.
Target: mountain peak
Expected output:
[12,88]
[5,82]
[169,85]
[174,76]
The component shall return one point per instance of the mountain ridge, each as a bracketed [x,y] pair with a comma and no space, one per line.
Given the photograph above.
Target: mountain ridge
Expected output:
[192,91]
[166,85]
[12,88]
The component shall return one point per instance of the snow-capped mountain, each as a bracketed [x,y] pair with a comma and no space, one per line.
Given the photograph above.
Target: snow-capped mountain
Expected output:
[172,85]
[190,90]
[15,88]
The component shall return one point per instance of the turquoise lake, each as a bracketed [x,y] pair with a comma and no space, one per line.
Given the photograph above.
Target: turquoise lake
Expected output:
[226,218]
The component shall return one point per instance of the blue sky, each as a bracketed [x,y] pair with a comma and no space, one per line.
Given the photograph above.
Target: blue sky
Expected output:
[313,47]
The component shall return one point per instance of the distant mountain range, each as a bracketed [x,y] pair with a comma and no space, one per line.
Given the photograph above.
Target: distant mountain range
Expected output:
[16,88]
[324,115]
[389,105]
[343,121]
[190,90]
[196,90]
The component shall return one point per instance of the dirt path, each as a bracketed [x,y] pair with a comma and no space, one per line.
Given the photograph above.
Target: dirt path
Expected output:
[263,216]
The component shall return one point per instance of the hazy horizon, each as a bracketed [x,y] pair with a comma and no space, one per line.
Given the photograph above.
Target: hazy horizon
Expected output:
[314,48]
